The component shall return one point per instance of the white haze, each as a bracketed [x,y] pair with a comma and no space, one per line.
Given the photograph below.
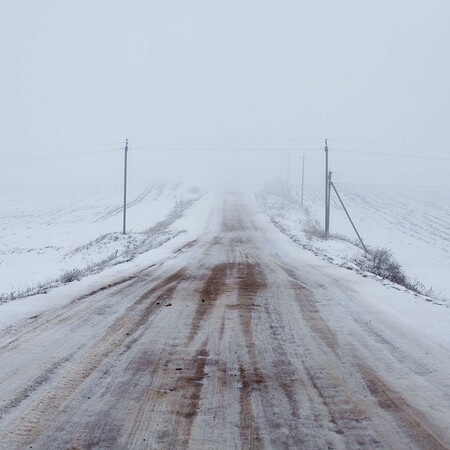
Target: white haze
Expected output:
[200,88]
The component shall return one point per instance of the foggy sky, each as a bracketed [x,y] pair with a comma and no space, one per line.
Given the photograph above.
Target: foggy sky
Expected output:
[79,77]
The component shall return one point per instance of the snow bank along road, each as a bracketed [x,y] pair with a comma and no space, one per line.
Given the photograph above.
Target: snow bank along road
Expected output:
[229,343]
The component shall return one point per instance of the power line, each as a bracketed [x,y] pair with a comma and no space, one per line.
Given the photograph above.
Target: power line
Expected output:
[219,149]
[221,141]
[388,174]
[381,144]
[393,155]
[61,149]
[411,183]
[146,146]
[290,149]
[56,156]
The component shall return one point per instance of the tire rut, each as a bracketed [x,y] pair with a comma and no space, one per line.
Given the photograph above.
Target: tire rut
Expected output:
[213,287]
[410,421]
[45,407]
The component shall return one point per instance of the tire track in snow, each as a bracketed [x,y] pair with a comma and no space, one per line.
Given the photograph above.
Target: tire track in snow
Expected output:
[270,361]
[45,407]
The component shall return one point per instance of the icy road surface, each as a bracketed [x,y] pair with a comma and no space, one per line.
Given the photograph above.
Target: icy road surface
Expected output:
[229,343]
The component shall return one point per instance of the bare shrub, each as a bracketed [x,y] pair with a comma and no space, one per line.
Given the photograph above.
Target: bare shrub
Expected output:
[381,262]
[314,229]
[70,275]
[419,287]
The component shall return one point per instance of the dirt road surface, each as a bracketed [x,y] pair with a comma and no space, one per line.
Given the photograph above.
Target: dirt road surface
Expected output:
[226,344]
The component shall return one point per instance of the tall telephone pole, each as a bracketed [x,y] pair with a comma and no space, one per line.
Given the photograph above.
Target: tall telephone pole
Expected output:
[329,203]
[327,220]
[125,190]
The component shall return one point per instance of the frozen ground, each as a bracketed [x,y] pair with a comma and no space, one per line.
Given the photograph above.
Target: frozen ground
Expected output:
[48,233]
[412,222]
[228,336]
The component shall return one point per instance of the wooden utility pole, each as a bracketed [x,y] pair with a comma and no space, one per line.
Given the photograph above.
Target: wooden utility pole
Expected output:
[329,202]
[327,220]
[125,190]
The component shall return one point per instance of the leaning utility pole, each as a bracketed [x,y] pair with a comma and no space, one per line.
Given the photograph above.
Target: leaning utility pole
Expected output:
[327,219]
[125,190]
[349,218]
[303,176]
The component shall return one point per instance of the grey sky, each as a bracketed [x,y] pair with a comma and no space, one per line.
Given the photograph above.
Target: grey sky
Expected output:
[275,74]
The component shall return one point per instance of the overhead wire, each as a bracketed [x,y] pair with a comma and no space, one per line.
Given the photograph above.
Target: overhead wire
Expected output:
[392,155]
[157,146]
[384,144]
[30,156]
[219,149]
[221,141]
[61,149]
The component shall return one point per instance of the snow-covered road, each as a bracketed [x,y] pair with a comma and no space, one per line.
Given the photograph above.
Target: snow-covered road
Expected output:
[240,339]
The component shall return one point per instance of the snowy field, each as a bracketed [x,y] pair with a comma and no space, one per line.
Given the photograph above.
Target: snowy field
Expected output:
[411,222]
[49,234]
